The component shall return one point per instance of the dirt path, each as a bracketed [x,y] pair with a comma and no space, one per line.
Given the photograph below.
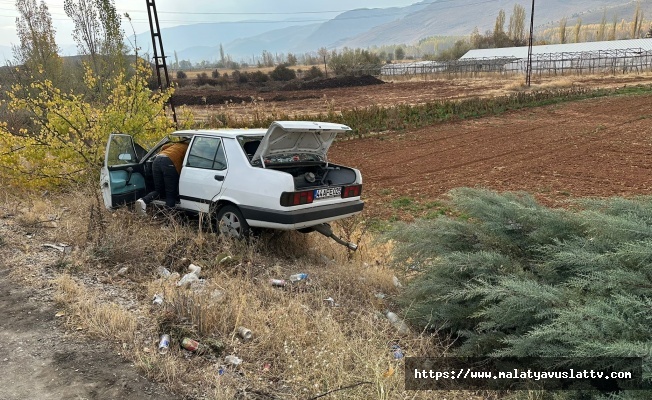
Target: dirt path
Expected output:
[597,147]
[39,359]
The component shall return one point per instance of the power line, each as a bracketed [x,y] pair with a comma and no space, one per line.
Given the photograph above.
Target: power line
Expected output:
[389,14]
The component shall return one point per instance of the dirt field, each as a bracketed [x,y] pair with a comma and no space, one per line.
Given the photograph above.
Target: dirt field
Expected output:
[599,147]
[321,101]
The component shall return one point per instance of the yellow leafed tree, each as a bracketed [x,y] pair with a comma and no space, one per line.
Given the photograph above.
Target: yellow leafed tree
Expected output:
[68,132]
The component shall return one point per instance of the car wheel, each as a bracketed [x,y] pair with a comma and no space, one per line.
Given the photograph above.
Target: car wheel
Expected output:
[231,223]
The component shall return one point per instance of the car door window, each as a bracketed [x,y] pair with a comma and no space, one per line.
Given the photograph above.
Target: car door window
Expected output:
[207,153]
[121,151]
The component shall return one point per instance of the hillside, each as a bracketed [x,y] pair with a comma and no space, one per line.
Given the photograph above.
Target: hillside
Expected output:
[373,27]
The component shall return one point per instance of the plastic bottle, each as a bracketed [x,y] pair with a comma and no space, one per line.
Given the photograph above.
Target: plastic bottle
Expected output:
[164,344]
[298,277]
[164,272]
[397,323]
[191,277]
[233,360]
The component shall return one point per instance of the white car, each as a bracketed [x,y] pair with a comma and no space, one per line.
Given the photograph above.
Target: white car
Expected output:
[277,178]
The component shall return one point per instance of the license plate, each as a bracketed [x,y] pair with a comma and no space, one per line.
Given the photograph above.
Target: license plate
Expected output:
[329,192]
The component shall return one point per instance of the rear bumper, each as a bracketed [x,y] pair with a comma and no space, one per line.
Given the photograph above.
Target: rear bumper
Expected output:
[297,219]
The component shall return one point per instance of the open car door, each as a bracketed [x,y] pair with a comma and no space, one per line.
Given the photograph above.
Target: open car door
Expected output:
[122,177]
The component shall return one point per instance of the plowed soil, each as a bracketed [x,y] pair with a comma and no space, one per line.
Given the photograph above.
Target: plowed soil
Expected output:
[598,147]
[248,102]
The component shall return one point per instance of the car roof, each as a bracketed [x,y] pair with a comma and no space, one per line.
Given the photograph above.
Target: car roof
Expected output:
[227,133]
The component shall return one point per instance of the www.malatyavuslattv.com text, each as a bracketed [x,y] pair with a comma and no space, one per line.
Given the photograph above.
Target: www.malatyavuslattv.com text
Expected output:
[468,373]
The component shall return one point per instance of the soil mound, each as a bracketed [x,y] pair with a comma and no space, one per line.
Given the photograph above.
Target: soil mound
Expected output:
[331,83]
[199,99]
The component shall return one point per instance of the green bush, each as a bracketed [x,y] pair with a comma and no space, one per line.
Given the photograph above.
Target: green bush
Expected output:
[282,73]
[313,73]
[514,278]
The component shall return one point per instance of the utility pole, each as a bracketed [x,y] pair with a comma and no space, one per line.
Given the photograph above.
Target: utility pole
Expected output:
[528,77]
[157,45]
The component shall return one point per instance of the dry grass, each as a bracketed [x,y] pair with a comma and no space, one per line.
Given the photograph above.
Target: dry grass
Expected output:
[302,346]
[89,312]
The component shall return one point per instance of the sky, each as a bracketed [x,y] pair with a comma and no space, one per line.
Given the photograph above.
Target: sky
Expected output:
[175,12]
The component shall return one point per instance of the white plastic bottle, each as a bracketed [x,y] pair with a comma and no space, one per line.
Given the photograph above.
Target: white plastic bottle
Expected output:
[397,323]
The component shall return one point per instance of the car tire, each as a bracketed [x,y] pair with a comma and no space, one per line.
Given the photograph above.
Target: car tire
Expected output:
[231,222]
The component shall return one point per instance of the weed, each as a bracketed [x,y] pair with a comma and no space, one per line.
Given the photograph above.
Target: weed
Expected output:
[402,202]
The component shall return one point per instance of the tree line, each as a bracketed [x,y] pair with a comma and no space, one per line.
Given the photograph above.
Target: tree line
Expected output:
[57,113]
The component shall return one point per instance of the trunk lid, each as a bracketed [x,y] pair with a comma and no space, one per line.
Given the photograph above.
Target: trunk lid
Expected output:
[297,141]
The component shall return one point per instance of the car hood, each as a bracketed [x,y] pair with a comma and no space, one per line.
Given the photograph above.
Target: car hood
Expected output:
[298,137]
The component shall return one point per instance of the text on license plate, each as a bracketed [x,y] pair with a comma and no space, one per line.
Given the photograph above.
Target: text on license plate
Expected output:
[328,192]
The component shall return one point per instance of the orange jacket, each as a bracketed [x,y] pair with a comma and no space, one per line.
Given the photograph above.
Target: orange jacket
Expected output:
[175,152]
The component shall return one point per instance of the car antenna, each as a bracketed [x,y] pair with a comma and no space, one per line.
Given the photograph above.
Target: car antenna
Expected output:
[159,60]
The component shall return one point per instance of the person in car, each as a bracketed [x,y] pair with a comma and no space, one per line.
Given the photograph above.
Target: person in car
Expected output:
[166,169]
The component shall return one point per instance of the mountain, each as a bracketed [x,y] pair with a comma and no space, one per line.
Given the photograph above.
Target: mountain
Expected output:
[444,18]
[373,27]
[353,23]
[279,40]
[183,37]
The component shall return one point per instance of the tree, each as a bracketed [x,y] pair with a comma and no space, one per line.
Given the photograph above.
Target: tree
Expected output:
[71,129]
[637,21]
[562,31]
[399,53]
[181,74]
[313,73]
[282,73]
[517,25]
[352,62]
[602,28]
[99,35]
[37,49]
[460,48]
[222,56]
[499,27]
[612,31]
[267,59]
[577,30]
[323,55]
[291,59]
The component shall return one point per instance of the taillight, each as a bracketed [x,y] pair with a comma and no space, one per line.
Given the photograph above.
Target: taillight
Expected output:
[296,198]
[351,191]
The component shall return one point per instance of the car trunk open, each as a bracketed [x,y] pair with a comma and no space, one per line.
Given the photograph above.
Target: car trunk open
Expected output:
[300,149]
